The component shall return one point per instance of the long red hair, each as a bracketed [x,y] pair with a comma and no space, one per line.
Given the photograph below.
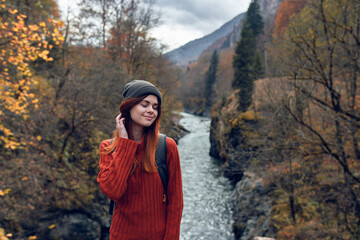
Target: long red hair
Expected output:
[150,138]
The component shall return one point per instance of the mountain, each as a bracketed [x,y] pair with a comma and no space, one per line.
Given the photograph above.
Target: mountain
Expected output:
[224,37]
[189,52]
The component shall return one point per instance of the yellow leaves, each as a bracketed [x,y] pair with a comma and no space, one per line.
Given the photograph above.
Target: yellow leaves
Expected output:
[312,34]
[6,191]
[248,115]
[20,18]
[44,54]
[6,131]
[38,138]
[61,38]
[52,226]
[244,116]
[12,60]
[13,11]
[4,236]
[32,237]
[33,28]
[12,145]
[25,178]
[25,44]
[31,207]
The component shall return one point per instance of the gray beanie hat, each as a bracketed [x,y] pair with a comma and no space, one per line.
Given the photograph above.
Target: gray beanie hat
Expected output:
[138,88]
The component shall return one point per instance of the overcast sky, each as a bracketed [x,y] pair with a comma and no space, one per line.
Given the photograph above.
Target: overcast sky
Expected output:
[185,20]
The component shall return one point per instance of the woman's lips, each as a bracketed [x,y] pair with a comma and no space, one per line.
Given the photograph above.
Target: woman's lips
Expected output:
[148,118]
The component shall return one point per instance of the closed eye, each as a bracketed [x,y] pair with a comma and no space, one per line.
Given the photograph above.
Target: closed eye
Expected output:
[145,104]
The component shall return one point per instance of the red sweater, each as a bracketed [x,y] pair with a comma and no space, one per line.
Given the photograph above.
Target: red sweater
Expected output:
[139,211]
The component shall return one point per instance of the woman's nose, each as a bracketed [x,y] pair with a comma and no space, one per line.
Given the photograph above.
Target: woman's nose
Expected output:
[150,109]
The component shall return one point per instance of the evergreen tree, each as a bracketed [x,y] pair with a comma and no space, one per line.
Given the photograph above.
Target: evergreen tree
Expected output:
[254,19]
[247,61]
[210,79]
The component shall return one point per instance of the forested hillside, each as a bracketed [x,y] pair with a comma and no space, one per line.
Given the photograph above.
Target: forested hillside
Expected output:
[292,145]
[61,85]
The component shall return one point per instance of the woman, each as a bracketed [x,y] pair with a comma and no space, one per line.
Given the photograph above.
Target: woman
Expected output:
[128,173]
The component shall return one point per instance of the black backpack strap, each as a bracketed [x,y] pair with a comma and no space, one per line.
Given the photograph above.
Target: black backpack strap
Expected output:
[160,157]
[111,143]
[111,207]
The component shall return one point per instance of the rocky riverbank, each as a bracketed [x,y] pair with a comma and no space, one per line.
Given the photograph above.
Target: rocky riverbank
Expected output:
[236,140]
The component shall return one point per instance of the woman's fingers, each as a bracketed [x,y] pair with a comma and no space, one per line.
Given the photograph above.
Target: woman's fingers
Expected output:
[122,121]
[120,126]
[118,118]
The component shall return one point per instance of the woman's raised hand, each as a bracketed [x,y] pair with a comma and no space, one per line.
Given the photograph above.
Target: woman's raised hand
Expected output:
[120,127]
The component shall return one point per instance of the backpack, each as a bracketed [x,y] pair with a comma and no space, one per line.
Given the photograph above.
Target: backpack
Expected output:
[160,158]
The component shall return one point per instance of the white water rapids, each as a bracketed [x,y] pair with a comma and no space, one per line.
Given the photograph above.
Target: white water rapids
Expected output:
[207,212]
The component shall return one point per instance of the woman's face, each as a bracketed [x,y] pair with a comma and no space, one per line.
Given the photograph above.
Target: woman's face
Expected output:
[144,113]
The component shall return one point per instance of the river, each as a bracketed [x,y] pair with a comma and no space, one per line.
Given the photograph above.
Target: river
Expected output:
[207,212]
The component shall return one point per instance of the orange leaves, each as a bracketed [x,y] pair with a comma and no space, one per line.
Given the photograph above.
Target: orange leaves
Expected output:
[13,11]
[4,236]
[287,10]
[6,191]
[44,55]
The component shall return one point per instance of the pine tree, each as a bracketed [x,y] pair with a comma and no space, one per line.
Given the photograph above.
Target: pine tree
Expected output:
[210,79]
[247,61]
[254,18]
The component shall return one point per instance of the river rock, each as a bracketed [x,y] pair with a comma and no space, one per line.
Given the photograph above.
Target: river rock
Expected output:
[263,238]
[67,225]
[76,227]
[252,208]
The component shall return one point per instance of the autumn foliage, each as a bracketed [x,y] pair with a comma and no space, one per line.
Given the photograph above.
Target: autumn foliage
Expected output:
[287,10]
[59,96]
[21,45]
[301,133]
[315,126]
[60,92]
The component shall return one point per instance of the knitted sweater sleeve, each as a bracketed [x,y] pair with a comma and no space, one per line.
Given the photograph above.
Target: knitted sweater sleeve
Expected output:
[115,167]
[174,191]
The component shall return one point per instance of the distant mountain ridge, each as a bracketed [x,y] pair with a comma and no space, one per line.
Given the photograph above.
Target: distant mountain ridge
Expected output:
[223,37]
[189,52]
